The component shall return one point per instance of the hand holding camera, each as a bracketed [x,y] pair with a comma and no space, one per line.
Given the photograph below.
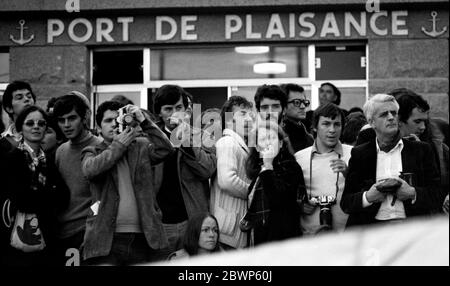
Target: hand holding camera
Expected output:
[127,136]
[129,115]
[182,130]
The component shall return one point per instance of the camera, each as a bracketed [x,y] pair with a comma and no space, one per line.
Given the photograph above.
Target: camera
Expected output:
[125,119]
[325,203]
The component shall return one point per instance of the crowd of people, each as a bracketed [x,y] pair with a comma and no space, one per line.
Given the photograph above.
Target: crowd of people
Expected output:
[147,186]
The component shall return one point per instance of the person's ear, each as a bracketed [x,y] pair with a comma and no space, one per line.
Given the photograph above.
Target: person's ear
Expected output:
[9,110]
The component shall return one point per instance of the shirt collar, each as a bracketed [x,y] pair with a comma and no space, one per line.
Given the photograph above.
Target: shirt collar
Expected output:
[337,149]
[31,151]
[12,132]
[398,146]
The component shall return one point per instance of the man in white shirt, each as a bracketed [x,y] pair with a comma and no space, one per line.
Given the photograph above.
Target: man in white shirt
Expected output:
[324,168]
[387,157]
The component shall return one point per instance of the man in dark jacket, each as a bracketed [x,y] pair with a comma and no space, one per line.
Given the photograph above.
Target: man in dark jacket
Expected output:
[295,113]
[383,160]
[182,180]
[120,174]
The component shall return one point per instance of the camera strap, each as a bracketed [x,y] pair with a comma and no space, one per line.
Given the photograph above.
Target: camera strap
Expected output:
[310,176]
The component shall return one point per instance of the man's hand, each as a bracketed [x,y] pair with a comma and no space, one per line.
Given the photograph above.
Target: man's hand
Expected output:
[405,192]
[338,165]
[136,111]
[445,205]
[127,136]
[375,196]
[308,207]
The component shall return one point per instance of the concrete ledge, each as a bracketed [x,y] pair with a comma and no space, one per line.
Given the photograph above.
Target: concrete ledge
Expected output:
[99,5]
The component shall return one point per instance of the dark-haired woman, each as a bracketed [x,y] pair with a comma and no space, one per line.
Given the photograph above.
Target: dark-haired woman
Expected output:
[36,187]
[201,237]
[278,185]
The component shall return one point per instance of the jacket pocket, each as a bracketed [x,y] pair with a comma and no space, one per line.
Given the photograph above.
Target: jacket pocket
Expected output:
[227,221]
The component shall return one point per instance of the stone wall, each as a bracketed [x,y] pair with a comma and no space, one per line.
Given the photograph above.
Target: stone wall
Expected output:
[51,71]
[420,65]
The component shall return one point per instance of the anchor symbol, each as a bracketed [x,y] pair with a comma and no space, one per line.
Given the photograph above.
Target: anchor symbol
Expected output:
[434,33]
[21,41]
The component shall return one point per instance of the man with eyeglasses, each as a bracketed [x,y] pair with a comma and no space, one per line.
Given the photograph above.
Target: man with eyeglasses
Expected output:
[295,113]
[17,96]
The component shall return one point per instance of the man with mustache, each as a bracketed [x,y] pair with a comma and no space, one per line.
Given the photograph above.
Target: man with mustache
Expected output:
[382,160]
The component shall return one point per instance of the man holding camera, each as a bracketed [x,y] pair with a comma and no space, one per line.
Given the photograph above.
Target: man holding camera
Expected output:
[324,166]
[182,180]
[125,224]
[374,189]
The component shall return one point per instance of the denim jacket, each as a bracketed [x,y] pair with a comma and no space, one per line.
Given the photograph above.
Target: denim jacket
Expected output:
[99,166]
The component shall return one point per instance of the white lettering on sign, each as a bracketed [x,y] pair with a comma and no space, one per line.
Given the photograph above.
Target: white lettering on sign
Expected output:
[160,20]
[104,33]
[53,31]
[303,23]
[103,29]
[87,25]
[291,25]
[249,29]
[350,21]
[125,28]
[185,28]
[396,23]
[275,27]
[73,6]
[373,23]
[233,23]
[330,26]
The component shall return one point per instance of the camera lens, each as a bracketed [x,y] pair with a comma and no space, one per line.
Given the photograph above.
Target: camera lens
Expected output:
[325,216]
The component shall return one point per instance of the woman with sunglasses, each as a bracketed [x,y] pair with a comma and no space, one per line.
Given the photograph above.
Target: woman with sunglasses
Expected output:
[35,186]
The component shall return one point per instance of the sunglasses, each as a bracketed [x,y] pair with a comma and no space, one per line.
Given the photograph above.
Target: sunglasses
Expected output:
[298,102]
[31,123]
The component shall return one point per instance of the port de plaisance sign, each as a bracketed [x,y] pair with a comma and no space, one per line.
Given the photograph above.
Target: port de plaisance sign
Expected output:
[256,27]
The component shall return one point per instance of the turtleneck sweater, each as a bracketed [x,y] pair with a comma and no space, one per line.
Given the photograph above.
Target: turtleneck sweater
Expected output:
[68,162]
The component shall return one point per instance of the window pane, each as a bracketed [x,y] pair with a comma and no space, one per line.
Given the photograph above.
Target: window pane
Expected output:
[105,96]
[224,63]
[352,97]
[118,67]
[341,62]
[4,67]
